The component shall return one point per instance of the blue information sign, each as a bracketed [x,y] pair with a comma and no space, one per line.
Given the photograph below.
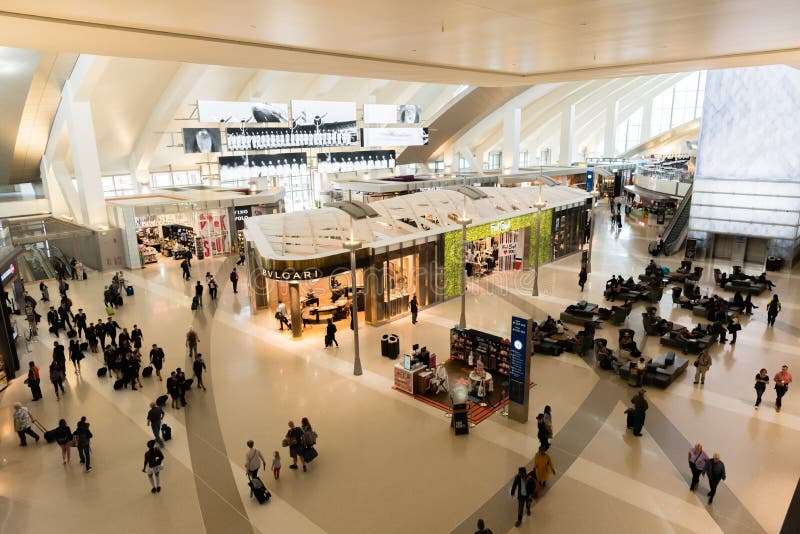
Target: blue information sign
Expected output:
[590,179]
[519,359]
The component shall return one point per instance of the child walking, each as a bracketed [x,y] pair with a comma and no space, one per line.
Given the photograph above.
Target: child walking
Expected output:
[276,465]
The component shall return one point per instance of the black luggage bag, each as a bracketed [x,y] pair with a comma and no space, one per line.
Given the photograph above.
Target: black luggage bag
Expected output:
[259,490]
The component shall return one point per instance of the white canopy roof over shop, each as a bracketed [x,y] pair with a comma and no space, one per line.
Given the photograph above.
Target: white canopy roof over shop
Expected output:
[317,233]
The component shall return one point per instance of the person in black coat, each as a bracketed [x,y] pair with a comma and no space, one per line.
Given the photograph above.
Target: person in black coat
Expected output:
[63,314]
[63,437]
[543,433]
[111,327]
[80,322]
[84,436]
[330,334]
[54,321]
[198,293]
[414,309]
[520,487]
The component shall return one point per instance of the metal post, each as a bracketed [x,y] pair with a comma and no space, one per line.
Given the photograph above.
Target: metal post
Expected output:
[536,262]
[462,322]
[357,361]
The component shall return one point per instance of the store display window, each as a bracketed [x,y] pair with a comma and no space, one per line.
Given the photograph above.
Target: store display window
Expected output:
[401,283]
[568,226]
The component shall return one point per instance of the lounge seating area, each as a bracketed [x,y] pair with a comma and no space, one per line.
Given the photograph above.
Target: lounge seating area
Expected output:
[660,372]
[696,340]
[738,281]
[580,313]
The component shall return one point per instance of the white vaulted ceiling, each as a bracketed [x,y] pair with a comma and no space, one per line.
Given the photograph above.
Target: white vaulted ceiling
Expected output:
[476,42]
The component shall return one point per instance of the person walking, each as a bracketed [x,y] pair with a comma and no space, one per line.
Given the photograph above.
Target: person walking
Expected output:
[733,327]
[153,464]
[702,364]
[715,471]
[640,407]
[91,337]
[173,389]
[242,258]
[198,293]
[199,367]
[137,337]
[56,378]
[782,380]
[294,439]
[80,322]
[748,304]
[276,465]
[34,381]
[697,464]
[543,466]
[63,314]
[548,419]
[212,288]
[84,437]
[234,277]
[773,309]
[482,528]
[157,360]
[330,334]
[414,309]
[762,379]
[180,381]
[185,267]
[54,321]
[582,276]
[520,487]
[22,423]
[154,418]
[75,355]
[542,433]
[45,292]
[63,437]
[253,460]
[191,342]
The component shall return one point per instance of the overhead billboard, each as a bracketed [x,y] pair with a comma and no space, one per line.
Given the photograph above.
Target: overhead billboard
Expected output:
[260,112]
[375,137]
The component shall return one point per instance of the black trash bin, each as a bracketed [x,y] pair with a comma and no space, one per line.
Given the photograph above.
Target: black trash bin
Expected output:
[393,347]
[385,345]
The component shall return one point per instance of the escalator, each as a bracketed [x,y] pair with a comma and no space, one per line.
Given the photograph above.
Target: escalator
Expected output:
[678,227]
[38,262]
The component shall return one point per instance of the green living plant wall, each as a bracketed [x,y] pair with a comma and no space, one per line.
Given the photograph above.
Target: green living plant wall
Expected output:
[452,245]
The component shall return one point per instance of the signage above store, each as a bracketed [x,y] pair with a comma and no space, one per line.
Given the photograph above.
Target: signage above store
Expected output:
[232,168]
[355,161]
[8,272]
[292,275]
[500,227]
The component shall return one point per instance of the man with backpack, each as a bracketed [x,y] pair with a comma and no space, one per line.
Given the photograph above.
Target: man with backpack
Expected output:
[154,417]
[234,277]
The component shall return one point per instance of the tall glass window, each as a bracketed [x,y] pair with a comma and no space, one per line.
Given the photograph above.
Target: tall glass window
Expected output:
[629,133]
[681,103]
[117,186]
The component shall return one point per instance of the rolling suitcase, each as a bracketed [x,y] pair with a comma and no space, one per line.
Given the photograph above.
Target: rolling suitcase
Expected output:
[147,371]
[259,490]
[84,347]
[166,432]
[119,301]
[118,384]
[129,291]
[162,400]
[71,334]
[49,435]
[102,371]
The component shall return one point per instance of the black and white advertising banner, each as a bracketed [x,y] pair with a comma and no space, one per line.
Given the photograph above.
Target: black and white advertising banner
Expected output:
[371,137]
[355,161]
[319,113]
[338,134]
[410,114]
[202,140]
[234,168]
[261,112]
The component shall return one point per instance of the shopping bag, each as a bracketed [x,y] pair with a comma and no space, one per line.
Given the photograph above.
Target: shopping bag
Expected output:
[110,310]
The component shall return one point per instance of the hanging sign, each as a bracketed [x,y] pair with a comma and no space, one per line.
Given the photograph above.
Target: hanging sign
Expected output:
[500,227]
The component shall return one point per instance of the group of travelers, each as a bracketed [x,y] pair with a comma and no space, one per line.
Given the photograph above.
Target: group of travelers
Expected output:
[700,464]
[527,485]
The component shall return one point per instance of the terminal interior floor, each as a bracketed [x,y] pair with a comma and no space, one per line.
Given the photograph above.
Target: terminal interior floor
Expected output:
[388,463]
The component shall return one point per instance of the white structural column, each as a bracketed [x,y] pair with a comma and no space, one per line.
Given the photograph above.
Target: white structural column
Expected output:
[610,129]
[86,162]
[567,131]
[647,120]
[62,196]
[450,156]
[512,120]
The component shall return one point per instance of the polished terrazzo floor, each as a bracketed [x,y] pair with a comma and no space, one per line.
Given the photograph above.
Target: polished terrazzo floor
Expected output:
[387,462]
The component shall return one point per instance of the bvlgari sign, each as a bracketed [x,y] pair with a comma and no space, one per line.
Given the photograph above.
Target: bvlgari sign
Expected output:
[292,275]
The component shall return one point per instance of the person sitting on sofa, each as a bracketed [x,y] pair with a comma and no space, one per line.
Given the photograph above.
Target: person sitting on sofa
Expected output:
[738,299]
[762,278]
[549,326]
[723,280]
[627,343]
[651,269]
